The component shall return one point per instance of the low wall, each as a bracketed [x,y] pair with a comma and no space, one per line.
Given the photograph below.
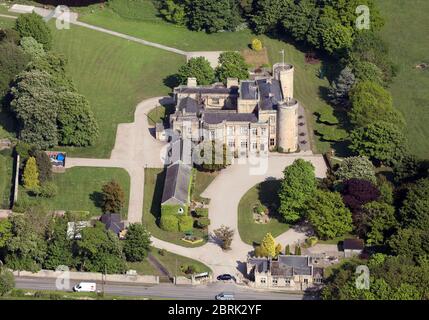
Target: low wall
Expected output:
[91,276]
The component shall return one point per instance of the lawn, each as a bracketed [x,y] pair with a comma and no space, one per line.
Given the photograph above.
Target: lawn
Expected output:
[251,232]
[79,188]
[308,86]
[160,114]
[115,75]
[153,188]
[170,261]
[6,178]
[201,182]
[407,33]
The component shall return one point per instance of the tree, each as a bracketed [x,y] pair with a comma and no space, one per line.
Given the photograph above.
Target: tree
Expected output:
[268,14]
[35,105]
[225,235]
[33,48]
[370,103]
[367,71]
[339,92]
[335,36]
[410,242]
[76,123]
[26,248]
[174,11]
[231,65]
[377,221]
[31,174]
[356,168]
[213,16]
[287,250]
[198,68]
[137,243]
[5,232]
[7,281]
[44,166]
[297,187]
[357,192]
[297,250]
[415,208]
[99,250]
[380,141]
[113,197]
[268,246]
[12,61]
[328,215]
[60,246]
[33,25]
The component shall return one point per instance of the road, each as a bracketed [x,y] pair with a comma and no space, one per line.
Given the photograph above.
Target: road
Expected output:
[166,290]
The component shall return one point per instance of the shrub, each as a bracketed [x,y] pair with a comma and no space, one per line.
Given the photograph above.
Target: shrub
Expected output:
[44,165]
[48,190]
[185,223]
[31,174]
[77,215]
[162,252]
[169,223]
[173,210]
[33,25]
[203,222]
[189,268]
[257,44]
[7,281]
[202,212]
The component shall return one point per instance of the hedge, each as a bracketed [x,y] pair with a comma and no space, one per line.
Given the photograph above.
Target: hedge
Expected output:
[169,223]
[202,212]
[173,210]
[203,222]
[185,223]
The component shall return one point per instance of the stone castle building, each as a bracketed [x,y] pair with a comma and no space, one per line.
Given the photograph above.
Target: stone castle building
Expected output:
[247,116]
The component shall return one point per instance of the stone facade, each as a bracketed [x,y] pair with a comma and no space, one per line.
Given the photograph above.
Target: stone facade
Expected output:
[248,116]
[285,272]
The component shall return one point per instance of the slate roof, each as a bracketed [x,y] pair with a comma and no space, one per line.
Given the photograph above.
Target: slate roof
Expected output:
[248,90]
[270,93]
[260,264]
[113,222]
[189,105]
[353,244]
[288,266]
[219,117]
[176,184]
[217,89]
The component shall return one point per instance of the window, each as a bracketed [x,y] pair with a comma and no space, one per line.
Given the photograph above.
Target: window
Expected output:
[189,130]
[272,142]
[273,119]
[263,131]
[243,144]
[231,143]
[243,130]
[254,146]
[287,281]
[275,282]
[272,129]
[255,131]
[306,281]
[212,135]
[263,280]
[215,100]
[230,131]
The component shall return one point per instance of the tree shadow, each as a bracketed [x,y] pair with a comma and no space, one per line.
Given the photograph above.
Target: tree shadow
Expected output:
[171,81]
[155,208]
[97,198]
[7,121]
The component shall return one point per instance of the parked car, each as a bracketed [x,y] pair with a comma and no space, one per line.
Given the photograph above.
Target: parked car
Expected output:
[225,277]
[85,287]
[225,296]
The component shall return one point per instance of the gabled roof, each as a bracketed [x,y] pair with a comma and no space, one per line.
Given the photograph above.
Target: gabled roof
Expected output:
[113,222]
[353,244]
[288,266]
[219,117]
[176,184]
[188,105]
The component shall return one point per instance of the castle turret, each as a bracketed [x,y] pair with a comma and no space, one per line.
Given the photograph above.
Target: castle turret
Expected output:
[287,126]
[284,73]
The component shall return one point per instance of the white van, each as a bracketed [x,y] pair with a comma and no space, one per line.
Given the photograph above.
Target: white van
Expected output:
[85,287]
[225,296]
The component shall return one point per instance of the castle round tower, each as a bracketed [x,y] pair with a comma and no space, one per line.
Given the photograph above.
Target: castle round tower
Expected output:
[287,125]
[284,73]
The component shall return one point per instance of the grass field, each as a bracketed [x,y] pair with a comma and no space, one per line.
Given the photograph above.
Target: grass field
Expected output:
[153,28]
[153,188]
[407,32]
[169,261]
[160,114]
[114,74]
[80,189]
[6,178]
[202,181]
[251,232]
